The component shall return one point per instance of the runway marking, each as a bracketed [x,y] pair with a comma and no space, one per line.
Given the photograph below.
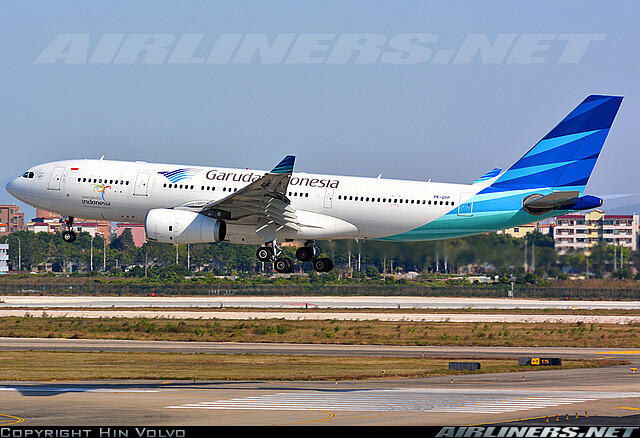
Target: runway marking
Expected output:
[620,352]
[10,420]
[406,400]
[628,408]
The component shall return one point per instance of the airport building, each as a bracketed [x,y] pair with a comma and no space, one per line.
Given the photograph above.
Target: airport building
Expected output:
[584,230]
[11,219]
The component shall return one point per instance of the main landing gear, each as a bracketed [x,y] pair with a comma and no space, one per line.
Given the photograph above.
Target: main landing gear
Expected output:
[69,235]
[310,252]
[271,252]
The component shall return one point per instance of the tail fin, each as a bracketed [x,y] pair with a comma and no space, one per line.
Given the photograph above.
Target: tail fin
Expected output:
[489,175]
[565,157]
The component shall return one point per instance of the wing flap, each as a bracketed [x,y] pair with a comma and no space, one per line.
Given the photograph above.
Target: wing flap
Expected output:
[265,198]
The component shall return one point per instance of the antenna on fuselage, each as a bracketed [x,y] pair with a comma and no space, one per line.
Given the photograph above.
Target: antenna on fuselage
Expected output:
[379,176]
[102,157]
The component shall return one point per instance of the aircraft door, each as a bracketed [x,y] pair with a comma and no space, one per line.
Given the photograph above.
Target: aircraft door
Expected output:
[141,187]
[56,178]
[465,206]
[328,198]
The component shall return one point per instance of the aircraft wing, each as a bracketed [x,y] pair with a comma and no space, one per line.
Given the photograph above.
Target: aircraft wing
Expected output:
[265,198]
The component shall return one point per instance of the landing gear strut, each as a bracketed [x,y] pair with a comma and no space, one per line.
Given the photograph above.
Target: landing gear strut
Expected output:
[271,252]
[69,235]
[310,252]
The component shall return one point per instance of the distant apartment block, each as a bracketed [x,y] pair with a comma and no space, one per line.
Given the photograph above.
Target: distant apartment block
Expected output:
[522,230]
[582,231]
[48,222]
[137,232]
[11,218]
[4,258]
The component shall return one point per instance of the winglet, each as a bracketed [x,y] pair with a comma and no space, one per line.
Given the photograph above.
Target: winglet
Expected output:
[285,166]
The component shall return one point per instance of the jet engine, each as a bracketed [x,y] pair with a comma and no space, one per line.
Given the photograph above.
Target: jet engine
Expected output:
[181,226]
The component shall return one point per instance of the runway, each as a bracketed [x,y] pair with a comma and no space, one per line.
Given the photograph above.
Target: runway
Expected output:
[471,399]
[321,302]
[59,344]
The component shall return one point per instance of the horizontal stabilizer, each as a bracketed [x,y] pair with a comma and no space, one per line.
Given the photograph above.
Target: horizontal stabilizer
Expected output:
[568,200]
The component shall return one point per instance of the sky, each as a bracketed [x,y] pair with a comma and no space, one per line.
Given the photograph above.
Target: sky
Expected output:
[440,114]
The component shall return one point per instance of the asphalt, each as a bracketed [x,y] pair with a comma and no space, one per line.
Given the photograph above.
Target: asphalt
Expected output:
[580,394]
[60,344]
[320,302]
[473,399]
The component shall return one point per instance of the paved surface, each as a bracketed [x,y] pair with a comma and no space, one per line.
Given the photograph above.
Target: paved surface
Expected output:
[312,302]
[339,316]
[313,349]
[472,399]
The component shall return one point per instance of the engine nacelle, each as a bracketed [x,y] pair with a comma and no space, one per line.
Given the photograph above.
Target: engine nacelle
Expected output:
[181,226]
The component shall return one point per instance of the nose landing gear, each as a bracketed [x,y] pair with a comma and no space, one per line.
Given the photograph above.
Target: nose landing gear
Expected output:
[69,235]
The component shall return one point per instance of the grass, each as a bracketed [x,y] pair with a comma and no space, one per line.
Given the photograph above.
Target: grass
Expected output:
[48,365]
[328,331]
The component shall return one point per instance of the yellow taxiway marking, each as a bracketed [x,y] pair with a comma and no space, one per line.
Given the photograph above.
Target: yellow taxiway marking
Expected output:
[620,352]
[627,407]
[330,416]
[10,419]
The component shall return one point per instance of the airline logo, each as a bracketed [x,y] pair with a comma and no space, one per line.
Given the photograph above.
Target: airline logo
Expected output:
[101,188]
[179,174]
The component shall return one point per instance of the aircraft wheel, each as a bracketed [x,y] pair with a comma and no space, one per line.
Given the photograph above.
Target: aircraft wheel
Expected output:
[264,254]
[69,236]
[283,265]
[323,264]
[305,254]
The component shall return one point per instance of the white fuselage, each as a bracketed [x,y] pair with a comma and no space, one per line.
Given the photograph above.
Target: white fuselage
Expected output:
[366,208]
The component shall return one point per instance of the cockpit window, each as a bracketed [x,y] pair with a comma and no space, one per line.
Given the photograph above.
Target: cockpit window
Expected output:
[28,175]
[31,174]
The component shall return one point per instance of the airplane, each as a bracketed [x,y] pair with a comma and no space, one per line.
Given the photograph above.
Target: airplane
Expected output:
[183,204]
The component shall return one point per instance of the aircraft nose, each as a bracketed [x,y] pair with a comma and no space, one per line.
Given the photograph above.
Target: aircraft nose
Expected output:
[11,187]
